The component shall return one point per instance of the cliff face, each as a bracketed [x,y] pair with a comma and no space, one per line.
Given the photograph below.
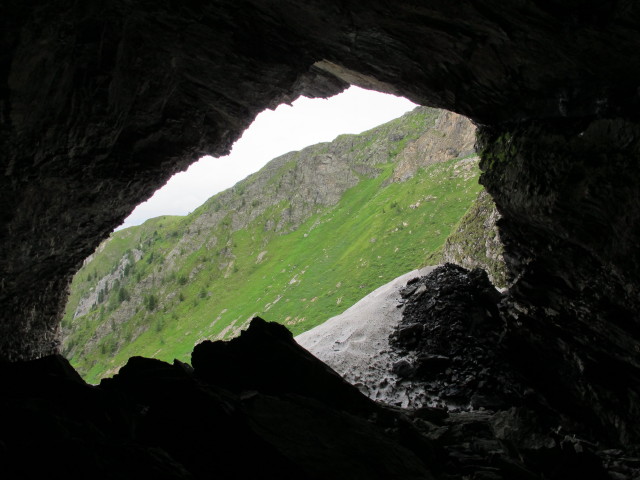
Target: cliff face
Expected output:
[453,136]
[475,243]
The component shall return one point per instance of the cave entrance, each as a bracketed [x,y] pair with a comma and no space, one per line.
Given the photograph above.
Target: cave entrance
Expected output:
[315,230]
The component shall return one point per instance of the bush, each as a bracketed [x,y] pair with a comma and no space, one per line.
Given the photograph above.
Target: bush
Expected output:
[123,295]
[151,302]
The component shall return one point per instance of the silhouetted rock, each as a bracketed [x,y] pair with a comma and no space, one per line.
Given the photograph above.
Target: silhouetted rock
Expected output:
[451,335]
[265,358]
[156,420]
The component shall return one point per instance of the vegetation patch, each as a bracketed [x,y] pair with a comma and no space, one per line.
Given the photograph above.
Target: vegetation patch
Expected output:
[175,281]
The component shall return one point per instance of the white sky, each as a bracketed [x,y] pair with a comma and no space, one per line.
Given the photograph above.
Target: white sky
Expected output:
[273,133]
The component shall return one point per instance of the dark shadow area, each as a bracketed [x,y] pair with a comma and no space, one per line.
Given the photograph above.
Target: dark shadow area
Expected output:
[100,103]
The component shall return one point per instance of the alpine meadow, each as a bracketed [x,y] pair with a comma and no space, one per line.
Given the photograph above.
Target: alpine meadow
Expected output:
[297,242]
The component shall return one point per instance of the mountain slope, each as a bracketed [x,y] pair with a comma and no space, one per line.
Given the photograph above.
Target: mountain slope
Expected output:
[475,242]
[297,242]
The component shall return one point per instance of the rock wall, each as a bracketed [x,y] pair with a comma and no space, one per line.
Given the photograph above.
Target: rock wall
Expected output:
[102,102]
[570,204]
[453,136]
[476,243]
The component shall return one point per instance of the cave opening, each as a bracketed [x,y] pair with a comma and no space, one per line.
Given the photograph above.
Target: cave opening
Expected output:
[101,103]
[377,202]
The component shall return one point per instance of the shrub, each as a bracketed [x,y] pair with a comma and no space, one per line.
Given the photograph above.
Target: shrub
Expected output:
[151,302]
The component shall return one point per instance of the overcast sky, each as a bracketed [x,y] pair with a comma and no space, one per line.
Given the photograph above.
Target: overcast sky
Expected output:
[273,133]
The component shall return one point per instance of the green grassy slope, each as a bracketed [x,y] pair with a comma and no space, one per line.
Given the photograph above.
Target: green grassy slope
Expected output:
[177,280]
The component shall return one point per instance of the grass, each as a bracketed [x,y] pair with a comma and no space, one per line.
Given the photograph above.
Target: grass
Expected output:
[197,280]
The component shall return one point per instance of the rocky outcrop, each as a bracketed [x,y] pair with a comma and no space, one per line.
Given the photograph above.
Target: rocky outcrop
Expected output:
[300,183]
[275,412]
[356,345]
[463,344]
[449,357]
[431,338]
[284,415]
[452,136]
[451,334]
[476,243]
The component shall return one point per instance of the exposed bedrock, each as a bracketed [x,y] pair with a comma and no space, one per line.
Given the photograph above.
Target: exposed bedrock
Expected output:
[460,346]
[441,348]
[569,196]
[100,102]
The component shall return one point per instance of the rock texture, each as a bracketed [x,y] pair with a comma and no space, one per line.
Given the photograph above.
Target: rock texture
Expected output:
[463,344]
[156,420]
[570,211]
[453,136]
[448,357]
[356,345]
[261,406]
[100,102]
[476,243]
[452,329]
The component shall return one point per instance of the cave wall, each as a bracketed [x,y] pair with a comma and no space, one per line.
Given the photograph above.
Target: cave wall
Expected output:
[101,102]
[568,192]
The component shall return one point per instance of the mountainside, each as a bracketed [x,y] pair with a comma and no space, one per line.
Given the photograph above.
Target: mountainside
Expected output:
[475,242]
[297,242]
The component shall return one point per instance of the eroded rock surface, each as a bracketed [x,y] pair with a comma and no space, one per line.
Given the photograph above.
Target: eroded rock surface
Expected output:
[452,361]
